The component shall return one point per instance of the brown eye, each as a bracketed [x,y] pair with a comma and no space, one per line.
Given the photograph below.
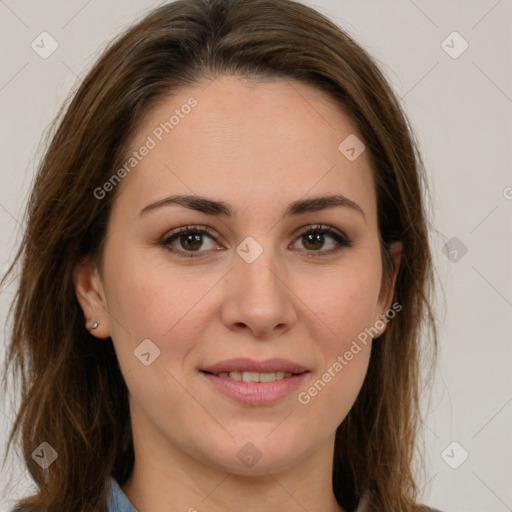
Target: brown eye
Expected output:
[187,240]
[191,241]
[314,239]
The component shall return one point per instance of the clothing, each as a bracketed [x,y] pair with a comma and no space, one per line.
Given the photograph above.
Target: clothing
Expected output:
[118,501]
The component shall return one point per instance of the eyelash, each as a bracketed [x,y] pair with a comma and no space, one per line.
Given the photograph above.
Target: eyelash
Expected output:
[176,234]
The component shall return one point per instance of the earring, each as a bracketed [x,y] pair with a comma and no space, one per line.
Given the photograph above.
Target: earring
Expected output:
[94,325]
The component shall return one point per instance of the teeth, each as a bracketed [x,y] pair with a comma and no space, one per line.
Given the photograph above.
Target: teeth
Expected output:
[255,376]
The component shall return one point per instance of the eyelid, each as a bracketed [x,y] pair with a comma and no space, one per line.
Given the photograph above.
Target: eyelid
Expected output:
[191,227]
[321,227]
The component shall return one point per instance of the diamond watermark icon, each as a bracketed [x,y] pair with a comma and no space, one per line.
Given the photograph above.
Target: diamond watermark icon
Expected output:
[351,147]
[146,352]
[45,455]
[454,249]
[249,455]
[44,45]
[454,45]
[249,249]
[454,455]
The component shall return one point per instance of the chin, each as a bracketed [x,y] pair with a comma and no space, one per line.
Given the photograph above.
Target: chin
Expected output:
[256,455]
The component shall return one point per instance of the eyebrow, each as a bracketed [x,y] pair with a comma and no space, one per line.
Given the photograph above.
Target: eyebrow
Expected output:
[213,207]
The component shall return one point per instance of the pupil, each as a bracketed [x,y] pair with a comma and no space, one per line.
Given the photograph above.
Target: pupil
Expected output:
[195,238]
[314,239]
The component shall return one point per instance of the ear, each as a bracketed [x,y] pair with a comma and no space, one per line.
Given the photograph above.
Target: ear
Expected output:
[90,294]
[388,284]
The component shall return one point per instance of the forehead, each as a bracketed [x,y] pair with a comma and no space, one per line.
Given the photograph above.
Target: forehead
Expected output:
[246,141]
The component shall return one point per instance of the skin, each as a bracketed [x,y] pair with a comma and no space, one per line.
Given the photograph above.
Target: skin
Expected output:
[257,147]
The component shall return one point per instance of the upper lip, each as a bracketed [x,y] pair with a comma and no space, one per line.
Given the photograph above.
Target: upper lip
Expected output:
[244,364]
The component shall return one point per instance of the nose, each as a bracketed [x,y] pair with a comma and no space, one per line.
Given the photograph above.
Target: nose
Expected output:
[258,297]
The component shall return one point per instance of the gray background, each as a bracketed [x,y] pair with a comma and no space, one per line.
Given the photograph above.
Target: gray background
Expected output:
[460,109]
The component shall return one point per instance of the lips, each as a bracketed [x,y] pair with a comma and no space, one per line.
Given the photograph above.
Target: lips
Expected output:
[255,383]
[250,365]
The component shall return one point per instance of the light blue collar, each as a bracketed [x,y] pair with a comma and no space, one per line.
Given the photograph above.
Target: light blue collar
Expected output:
[117,500]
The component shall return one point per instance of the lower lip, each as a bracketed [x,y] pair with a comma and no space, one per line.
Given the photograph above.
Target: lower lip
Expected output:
[256,393]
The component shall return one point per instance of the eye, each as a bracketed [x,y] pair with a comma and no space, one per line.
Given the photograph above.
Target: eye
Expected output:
[190,238]
[313,239]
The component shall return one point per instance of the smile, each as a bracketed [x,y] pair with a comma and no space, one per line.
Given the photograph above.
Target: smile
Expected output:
[254,388]
[255,376]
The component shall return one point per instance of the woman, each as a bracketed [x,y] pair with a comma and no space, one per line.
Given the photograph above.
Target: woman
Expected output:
[224,275]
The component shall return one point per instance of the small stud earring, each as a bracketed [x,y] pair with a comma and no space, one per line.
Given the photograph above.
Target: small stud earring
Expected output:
[94,325]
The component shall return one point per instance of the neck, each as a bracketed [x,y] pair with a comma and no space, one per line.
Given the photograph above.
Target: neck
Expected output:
[165,478]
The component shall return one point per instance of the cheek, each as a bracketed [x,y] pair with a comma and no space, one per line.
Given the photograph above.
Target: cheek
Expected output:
[328,398]
[344,305]
[343,313]
[152,300]
[343,300]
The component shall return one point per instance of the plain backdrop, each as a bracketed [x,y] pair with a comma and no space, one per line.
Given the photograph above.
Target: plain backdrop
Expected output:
[459,101]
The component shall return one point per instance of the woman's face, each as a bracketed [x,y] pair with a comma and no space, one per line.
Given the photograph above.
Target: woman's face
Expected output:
[253,287]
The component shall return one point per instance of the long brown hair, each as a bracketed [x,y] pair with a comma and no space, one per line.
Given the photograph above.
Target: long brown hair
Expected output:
[73,395]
